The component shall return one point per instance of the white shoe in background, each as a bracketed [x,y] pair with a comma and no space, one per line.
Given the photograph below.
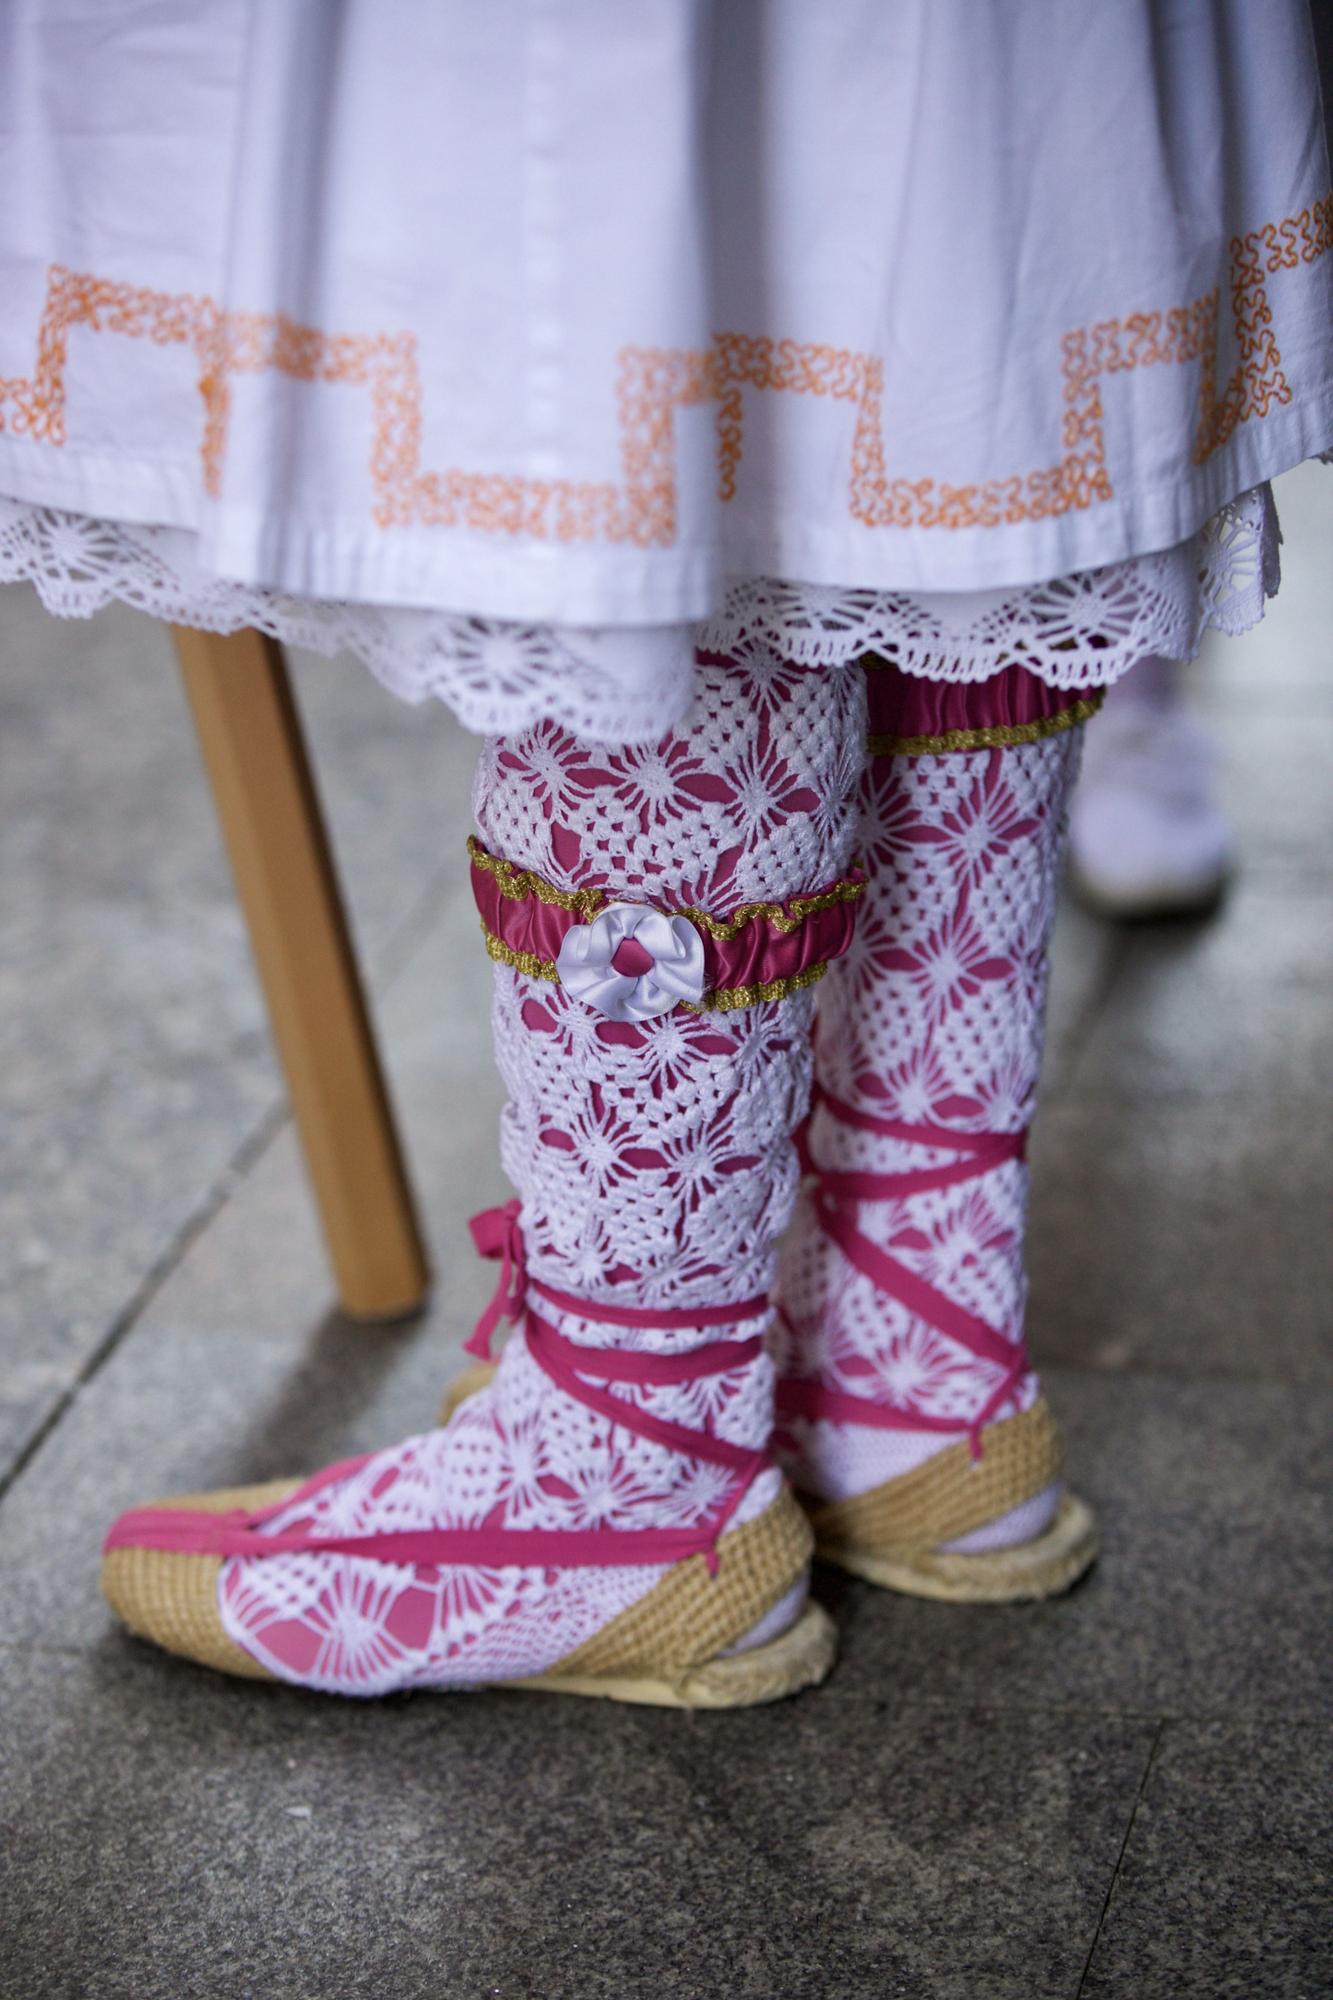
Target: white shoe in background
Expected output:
[1147,836]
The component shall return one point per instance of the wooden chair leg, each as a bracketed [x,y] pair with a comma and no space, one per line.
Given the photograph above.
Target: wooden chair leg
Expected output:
[250,735]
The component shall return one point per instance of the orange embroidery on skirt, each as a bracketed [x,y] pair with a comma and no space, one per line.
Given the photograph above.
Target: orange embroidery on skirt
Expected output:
[1080,477]
[653,383]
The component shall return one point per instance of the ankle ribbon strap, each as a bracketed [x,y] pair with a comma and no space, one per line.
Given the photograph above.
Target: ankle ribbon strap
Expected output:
[189,1531]
[498,1236]
[834,1204]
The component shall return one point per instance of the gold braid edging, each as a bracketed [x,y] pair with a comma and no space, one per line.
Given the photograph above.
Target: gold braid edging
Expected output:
[519,961]
[998,737]
[784,917]
[518,884]
[724,1000]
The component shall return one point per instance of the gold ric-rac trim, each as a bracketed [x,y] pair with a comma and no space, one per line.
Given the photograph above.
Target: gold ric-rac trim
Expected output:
[518,884]
[726,999]
[784,918]
[998,737]
[723,1000]
[519,961]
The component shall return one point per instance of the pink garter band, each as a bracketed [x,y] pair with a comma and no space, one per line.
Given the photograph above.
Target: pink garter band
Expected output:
[761,951]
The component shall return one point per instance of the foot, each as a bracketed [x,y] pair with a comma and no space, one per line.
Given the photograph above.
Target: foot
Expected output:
[529,1542]
[1147,836]
[909,1421]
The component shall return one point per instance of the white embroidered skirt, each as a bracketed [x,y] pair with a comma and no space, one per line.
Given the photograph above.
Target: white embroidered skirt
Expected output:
[523,347]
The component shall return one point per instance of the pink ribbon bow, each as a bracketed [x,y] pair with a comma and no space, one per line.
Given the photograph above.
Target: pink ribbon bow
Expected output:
[497,1236]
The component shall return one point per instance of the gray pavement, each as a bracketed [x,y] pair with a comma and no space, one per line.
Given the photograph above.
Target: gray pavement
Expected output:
[1126,1792]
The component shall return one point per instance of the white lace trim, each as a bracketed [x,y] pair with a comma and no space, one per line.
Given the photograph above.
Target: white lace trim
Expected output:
[1081,630]
[630,685]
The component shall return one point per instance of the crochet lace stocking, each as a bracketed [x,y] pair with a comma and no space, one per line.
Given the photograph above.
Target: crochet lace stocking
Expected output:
[656,1170]
[934,1018]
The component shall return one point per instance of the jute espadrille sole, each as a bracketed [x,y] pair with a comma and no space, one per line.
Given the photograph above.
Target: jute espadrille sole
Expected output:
[799,1658]
[1050,1563]
[467,1384]
[173,1599]
[668,1650]
[897,1534]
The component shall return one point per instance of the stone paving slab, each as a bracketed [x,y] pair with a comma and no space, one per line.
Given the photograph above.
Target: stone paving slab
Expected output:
[134,1058]
[1276,784]
[171,1835]
[1179,1236]
[1223,1891]
[1236,1010]
[1212,1595]
[238,1369]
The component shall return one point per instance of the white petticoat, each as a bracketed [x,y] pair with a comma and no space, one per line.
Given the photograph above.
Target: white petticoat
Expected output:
[632,684]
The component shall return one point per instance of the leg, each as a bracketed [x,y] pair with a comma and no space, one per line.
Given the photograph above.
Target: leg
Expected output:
[1148,837]
[250,736]
[909,1414]
[604,1516]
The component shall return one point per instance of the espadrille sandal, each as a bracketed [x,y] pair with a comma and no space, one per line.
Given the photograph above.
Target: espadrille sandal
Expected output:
[903,1532]
[895,1534]
[405,1570]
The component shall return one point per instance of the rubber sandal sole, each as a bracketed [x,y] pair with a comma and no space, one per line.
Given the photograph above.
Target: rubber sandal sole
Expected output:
[1048,1565]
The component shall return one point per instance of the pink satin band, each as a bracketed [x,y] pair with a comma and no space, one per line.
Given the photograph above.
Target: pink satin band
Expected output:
[781,944]
[834,1203]
[189,1531]
[907,706]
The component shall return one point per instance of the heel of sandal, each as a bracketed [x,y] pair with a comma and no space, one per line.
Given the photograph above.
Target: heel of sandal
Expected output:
[1048,1565]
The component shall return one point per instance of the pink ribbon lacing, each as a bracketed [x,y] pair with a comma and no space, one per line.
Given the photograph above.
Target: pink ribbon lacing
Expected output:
[835,1202]
[497,1235]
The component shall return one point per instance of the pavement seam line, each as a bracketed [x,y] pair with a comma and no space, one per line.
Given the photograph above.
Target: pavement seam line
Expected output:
[214,1199]
[1071,1046]
[395,956]
[1149,1762]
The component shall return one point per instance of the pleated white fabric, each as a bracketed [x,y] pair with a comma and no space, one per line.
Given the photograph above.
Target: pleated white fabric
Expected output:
[573,315]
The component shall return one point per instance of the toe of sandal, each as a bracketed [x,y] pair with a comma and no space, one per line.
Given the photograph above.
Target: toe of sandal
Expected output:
[172,1598]
[672,1648]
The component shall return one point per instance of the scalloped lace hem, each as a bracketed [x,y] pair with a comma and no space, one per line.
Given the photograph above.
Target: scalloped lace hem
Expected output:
[631,684]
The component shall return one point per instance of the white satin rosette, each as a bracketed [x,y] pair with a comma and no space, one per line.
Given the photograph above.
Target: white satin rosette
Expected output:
[588,972]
